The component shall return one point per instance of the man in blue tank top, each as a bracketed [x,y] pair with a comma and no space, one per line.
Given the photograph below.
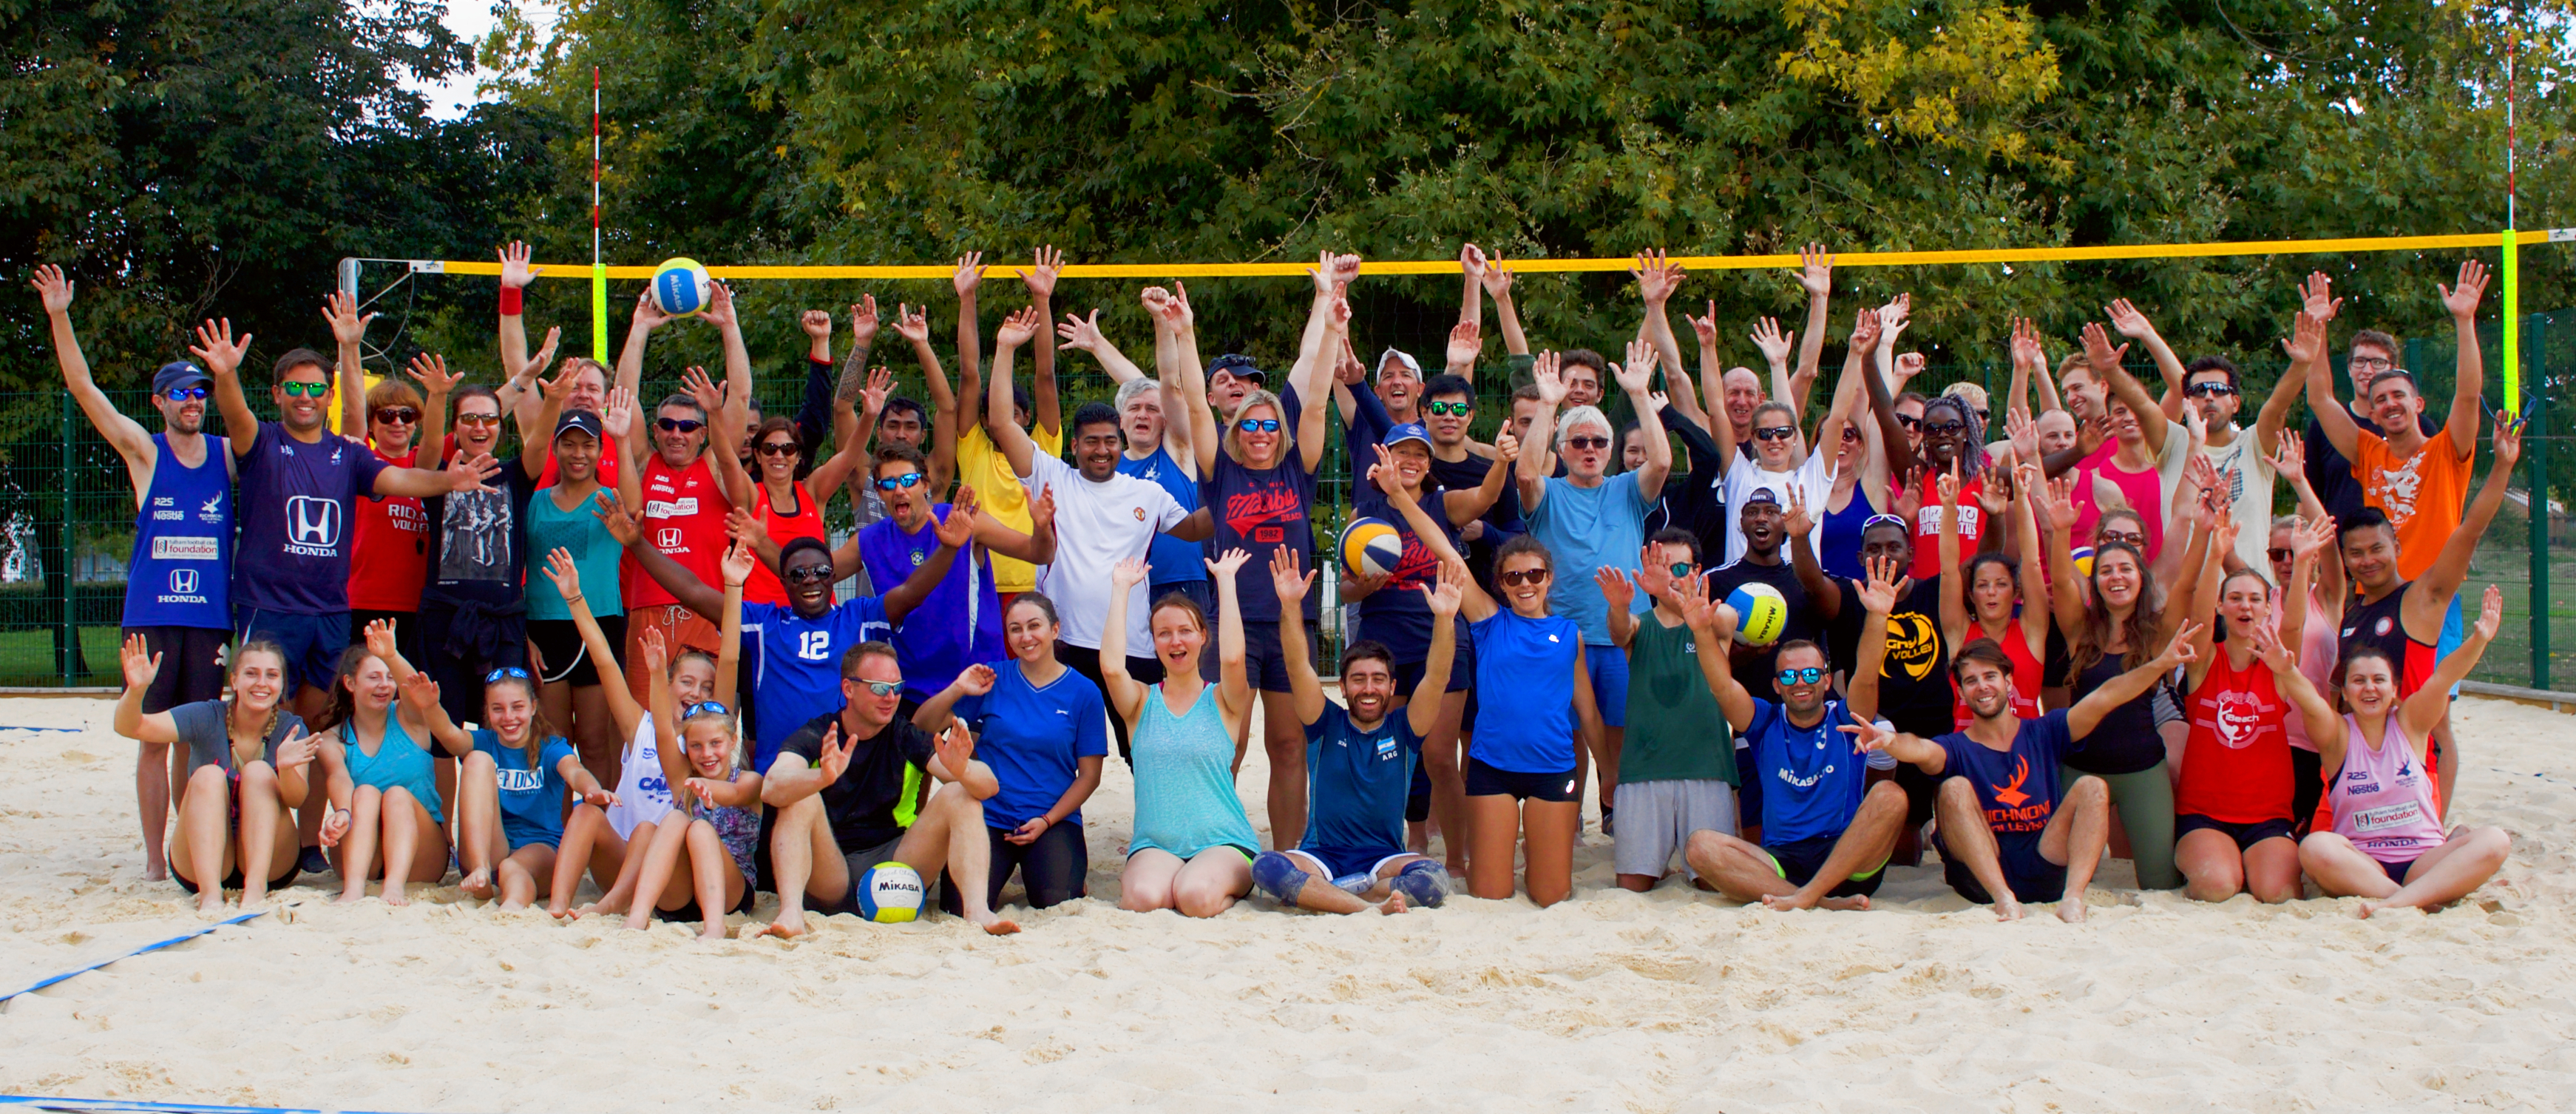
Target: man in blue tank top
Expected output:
[960,623]
[183,535]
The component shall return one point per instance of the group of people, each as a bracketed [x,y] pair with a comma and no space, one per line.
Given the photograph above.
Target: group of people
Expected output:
[542,629]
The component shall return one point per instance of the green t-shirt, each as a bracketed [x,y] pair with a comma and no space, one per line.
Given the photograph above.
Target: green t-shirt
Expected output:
[1675,729]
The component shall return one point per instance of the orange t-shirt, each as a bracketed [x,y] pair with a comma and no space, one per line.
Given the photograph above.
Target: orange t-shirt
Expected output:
[2422,495]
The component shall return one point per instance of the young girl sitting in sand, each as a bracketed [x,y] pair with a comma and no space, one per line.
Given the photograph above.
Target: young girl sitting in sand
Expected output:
[521,770]
[605,840]
[714,827]
[2387,845]
[246,764]
[379,775]
[1193,847]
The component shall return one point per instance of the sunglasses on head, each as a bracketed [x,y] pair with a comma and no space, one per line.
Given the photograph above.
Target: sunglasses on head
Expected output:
[877,688]
[1587,442]
[2208,390]
[706,707]
[1806,676]
[185,394]
[1513,578]
[1775,433]
[679,425]
[505,673]
[398,415]
[807,574]
[778,448]
[891,483]
[302,389]
[1258,425]
[1449,409]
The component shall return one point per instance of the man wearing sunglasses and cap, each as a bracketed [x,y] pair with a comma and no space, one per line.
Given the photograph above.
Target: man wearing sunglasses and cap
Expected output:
[183,536]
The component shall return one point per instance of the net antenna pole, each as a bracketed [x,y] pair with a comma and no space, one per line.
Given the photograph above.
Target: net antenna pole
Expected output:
[2512,245]
[598,267]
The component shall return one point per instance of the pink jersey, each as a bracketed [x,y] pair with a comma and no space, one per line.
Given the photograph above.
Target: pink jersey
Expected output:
[2383,799]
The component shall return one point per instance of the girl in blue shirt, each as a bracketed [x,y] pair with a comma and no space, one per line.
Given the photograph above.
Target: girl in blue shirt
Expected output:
[386,816]
[510,793]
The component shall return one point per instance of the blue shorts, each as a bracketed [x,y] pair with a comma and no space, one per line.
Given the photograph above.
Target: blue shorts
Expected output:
[2029,873]
[1799,859]
[1609,668]
[1462,671]
[1265,662]
[312,642]
[2452,634]
[1341,862]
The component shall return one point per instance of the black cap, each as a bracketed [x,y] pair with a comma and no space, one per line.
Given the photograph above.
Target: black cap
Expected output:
[582,420]
[173,376]
[1761,495]
[1240,365]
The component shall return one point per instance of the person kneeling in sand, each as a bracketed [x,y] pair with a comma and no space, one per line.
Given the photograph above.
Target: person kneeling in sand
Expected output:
[1359,763]
[844,786]
[2006,828]
[1827,831]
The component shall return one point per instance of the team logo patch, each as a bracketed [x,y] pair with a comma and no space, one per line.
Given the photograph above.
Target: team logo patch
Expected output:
[1140,514]
[2383,626]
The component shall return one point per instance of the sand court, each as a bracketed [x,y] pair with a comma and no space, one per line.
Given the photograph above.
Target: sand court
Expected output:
[1672,1000]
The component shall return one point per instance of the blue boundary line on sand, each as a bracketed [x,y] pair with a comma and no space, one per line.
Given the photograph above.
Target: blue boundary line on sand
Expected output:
[191,934]
[83,1106]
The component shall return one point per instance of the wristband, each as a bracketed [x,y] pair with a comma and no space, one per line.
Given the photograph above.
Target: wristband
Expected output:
[510,301]
[569,601]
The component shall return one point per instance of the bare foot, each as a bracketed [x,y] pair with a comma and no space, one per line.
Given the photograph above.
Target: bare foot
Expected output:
[714,931]
[2071,909]
[1788,901]
[347,897]
[396,897]
[156,872]
[2365,909]
[478,884]
[1846,904]
[1394,904]
[996,926]
[788,926]
[2007,909]
[210,904]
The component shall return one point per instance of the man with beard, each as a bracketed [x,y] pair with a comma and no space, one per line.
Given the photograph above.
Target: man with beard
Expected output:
[183,538]
[1158,448]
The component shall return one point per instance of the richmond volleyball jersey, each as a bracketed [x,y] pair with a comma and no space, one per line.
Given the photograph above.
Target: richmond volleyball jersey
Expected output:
[183,543]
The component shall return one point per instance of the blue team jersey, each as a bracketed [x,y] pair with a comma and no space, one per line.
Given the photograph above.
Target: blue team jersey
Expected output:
[796,664]
[1813,778]
[1525,692]
[958,624]
[1034,739]
[1356,783]
[1171,560]
[183,543]
[295,509]
[531,800]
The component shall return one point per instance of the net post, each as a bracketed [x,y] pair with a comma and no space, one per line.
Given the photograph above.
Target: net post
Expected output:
[2512,318]
[68,640]
[599,313]
[2536,457]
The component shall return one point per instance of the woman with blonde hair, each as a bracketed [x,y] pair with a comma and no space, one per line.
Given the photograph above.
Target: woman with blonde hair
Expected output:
[246,768]
[712,830]
[378,772]
[1193,846]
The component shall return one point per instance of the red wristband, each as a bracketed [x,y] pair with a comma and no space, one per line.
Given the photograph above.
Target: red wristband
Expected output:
[510,301]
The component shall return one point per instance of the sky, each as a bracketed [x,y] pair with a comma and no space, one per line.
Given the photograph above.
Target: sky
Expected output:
[471,20]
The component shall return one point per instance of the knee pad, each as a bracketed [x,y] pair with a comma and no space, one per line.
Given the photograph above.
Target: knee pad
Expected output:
[1422,882]
[1279,876]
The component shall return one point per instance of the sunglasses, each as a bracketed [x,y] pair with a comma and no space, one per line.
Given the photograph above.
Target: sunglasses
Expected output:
[877,688]
[679,425]
[1516,577]
[505,673]
[2137,538]
[2208,390]
[1775,433]
[301,389]
[778,448]
[1681,569]
[807,574]
[705,707]
[398,415]
[1807,676]
[1945,429]
[1587,442]
[2279,553]
[478,419]
[1885,520]
[1258,425]
[1449,409]
[1851,433]
[893,483]
[185,394]
[1909,423]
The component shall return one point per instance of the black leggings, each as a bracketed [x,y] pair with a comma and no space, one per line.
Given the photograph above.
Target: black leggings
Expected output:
[1052,867]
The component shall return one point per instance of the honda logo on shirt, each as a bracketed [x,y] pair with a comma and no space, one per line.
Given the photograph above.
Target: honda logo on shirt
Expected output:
[183,582]
[667,539]
[313,526]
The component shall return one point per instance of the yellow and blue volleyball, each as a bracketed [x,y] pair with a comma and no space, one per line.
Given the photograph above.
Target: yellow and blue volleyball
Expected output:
[1371,547]
[1761,612]
[890,893]
[681,287]
[2083,561]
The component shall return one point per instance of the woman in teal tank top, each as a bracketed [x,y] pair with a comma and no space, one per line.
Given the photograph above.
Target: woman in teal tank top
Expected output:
[383,791]
[1193,846]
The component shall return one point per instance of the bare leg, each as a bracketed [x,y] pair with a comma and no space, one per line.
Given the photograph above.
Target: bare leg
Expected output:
[595,735]
[2212,868]
[2446,772]
[358,847]
[1146,884]
[1210,883]
[2447,873]
[1871,838]
[525,875]
[1284,739]
[2272,870]
[407,833]
[2343,870]
[806,860]
[479,842]
[950,832]
[1964,833]
[152,780]
[717,880]
[1605,758]
[201,854]
[630,869]
[660,862]
[1448,783]
[1493,825]
[589,842]
[310,703]
[1737,869]
[264,822]
[1547,847]
[2075,837]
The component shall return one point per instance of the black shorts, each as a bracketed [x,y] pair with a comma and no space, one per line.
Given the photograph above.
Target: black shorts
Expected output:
[2029,873]
[567,660]
[1265,664]
[1799,860]
[235,881]
[311,643]
[2245,835]
[192,665]
[2307,787]
[1486,781]
[688,910]
[1462,671]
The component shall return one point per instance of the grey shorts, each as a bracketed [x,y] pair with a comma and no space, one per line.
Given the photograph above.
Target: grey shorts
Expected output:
[1656,818]
[859,862]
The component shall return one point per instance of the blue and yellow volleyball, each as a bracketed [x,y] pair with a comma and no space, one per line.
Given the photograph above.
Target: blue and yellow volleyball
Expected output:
[1371,547]
[1761,612]
[890,893]
[2083,561]
[681,287]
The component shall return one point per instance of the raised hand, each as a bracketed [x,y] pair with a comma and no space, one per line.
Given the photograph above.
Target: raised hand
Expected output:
[52,289]
[465,475]
[1656,276]
[2313,535]
[2490,614]
[816,323]
[1042,508]
[1816,270]
[558,568]
[743,526]
[2023,432]
[1639,370]
[1130,572]
[2027,349]
[737,564]
[2180,651]
[619,418]
[955,747]
[1041,275]
[863,320]
[1796,520]
[537,361]
[969,274]
[341,310]
[627,526]
[880,387]
[216,350]
[1079,334]
[1382,474]
[1705,327]
[2098,351]
[558,390]
[1181,305]
[2060,503]
[1907,366]
[835,757]
[1507,448]
[910,324]
[1448,593]
[1497,279]
[1616,591]
[1226,563]
[2126,318]
[1946,485]
[696,382]
[2290,459]
[1471,260]
[1346,270]
[719,311]
[2307,340]
[515,271]
[2268,648]
[141,664]
[648,313]
[2316,297]
[1867,737]
[1018,328]
[1347,368]
[296,749]
[2462,300]
[1878,593]
[1466,343]
[379,634]
[1894,318]
[1285,580]
[1865,329]
[419,693]
[976,680]
[958,529]
[1544,376]
[657,653]
[2508,443]
[430,369]
[1775,345]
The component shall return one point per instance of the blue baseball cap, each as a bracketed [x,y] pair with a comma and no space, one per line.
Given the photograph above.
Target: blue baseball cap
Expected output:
[173,376]
[1408,431]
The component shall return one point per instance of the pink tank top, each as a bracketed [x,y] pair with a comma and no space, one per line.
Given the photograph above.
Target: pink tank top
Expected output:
[2316,651]
[2383,800]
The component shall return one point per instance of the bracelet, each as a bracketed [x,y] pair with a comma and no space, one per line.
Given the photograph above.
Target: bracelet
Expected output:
[510,300]
[733,584]
[571,600]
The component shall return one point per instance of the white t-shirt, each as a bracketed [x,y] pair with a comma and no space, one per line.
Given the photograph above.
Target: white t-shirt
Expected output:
[2245,469]
[1098,525]
[1815,479]
[643,794]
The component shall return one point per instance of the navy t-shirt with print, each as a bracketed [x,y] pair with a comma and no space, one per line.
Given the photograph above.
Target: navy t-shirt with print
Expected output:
[2017,788]
[1259,510]
[297,508]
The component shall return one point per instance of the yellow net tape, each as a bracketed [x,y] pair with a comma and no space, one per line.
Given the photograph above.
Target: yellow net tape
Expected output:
[1541,266]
